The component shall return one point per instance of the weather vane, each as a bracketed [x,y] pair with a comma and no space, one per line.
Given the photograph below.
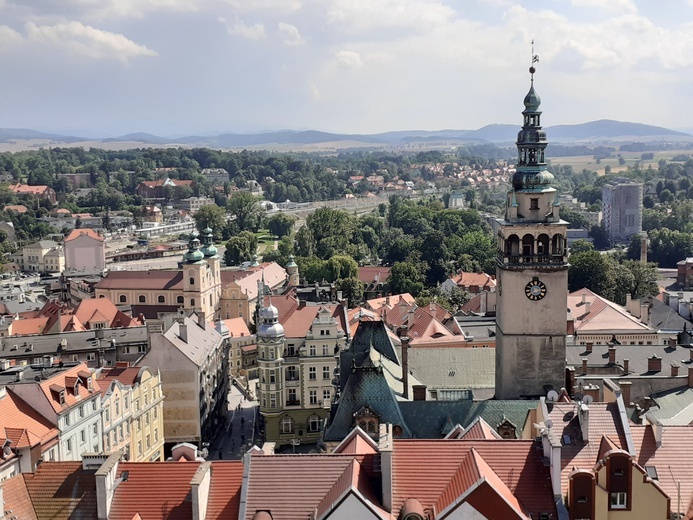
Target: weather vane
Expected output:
[535,59]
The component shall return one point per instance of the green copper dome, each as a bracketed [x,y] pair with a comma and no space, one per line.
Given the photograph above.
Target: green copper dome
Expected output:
[532,100]
[193,254]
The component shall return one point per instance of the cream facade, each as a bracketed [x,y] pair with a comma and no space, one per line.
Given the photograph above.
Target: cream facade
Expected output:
[117,417]
[147,430]
[44,256]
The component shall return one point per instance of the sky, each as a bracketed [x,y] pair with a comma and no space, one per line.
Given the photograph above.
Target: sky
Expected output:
[182,67]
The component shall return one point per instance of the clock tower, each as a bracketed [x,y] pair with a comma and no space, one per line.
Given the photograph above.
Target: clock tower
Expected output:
[532,272]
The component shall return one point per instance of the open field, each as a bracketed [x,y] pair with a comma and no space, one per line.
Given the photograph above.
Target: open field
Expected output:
[588,162]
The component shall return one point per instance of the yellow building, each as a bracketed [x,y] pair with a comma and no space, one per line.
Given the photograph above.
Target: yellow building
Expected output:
[133,415]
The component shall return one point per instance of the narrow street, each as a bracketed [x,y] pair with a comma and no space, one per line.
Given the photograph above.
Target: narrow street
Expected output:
[241,431]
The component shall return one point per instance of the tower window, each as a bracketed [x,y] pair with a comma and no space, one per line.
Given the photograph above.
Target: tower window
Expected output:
[192,281]
[533,203]
[161,299]
[180,299]
[142,298]
[123,299]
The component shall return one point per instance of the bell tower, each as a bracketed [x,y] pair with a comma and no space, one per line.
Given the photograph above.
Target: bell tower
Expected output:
[532,271]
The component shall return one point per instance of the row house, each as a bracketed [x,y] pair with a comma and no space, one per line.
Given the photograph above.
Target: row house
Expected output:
[133,412]
[68,397]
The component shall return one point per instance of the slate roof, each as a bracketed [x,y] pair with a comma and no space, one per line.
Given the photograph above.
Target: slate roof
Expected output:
[673,407]
[453,368]
[62,490]
[200,341]
[637,356]
[663,317]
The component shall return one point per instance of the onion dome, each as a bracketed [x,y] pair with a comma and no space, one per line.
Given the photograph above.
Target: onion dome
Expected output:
[291,262]
[270,326]
[532,100]
[193,254]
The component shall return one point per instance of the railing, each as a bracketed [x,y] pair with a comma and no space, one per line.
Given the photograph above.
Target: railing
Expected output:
[293,402]
[292,382]
[531,259]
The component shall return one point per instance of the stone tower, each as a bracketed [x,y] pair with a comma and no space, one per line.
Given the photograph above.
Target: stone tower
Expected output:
[270,350]
[532,272]
[292,271]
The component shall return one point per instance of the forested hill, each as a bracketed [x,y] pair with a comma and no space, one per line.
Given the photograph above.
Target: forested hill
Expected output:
[594,131]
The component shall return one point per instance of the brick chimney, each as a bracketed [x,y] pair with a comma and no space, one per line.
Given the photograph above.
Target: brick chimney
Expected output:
[690,376]
[654,364]
[419,392]
[672,342]
[674,370]
[592,391]
[612,355]
[626,363]
[584,365]
[588,346]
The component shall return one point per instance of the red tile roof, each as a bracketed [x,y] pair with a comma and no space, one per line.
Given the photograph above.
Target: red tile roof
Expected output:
[377,303]
[75,233]
[368,275]
[225,490]
[155,490]
[145,280]
[17,499]
[60,380]
[602,315]
[62,490]
[126,375]
[423,469]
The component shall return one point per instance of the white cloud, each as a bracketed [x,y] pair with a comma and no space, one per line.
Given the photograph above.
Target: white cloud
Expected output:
[266,5]
[100,9]
[290,34]
[238,28]
[87,41]
[611,6]
[367,15]
[349,59]
[8,37]
[314,91]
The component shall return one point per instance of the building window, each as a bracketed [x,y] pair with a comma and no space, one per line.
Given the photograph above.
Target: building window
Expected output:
[312,373]
[149,443]
[180,300]
[96,428]
[81,411]
[292,397]
[107,414]
[273,401]
[313,396]
[291,374]
[326,395]
[156,434]
[312,350]
[619,500]
[192,281]
[91,356]
[287,425]
[325,350]
[161,299]
[123,298]
[83,436]
[272,377]
[69,444]
[139,448]
[533,203]
[192,302]
[142,298]
[126,402]
[74,358]
[314,424]
[325,372]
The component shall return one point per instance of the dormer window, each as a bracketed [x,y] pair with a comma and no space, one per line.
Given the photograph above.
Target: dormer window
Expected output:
[61,397]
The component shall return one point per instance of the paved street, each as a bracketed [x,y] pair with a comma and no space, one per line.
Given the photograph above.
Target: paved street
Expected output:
[241,432]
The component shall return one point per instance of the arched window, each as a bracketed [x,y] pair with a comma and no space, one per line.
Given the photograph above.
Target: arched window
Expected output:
[192,302]
[123,298]
[192,281]
[527,245]
[512,245]
[161,299]
[314,424]
[543,244]
[142,298]
[180,300]
[287,425]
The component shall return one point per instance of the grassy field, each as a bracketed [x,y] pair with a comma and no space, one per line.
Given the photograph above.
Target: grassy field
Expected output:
[588,162]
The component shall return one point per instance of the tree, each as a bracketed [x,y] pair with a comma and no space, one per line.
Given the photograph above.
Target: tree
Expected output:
[281,224]
[451,300]
[581,246]
[340,267]
[311,269]
[594,271]
[246,210]
[211,216]
[644,278]
[600,237]
[407,277]
[251,238]
[237,251]
[352,289]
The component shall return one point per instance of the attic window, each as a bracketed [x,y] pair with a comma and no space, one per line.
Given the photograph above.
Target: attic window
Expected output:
[652,472]
[61,396]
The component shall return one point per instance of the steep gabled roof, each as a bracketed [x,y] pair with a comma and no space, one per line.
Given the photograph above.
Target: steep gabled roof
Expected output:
[62,490]
[601,314]
[22,424]
[479,429]
[16,498]
[225,490]
[88,232]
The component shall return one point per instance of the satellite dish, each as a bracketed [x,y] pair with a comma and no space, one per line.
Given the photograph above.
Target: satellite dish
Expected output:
[552,396]
[548,423]
[587,400]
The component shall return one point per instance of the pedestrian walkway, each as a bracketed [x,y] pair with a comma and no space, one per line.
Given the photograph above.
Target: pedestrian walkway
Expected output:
[239,433]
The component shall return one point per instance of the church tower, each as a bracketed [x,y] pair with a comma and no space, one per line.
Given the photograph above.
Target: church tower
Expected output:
[532,272]
[270,356]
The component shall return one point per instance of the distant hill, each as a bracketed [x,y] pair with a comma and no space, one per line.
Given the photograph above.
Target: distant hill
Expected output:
[595,131]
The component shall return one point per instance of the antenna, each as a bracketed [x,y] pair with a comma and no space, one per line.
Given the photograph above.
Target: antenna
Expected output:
[548,423]
[587,400]
[552,396]
[535,59]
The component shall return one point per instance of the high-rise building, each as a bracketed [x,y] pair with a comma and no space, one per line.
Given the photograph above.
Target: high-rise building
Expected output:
[622,207]
[532,272]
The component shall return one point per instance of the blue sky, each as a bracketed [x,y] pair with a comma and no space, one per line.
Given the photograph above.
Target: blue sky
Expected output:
[108,67]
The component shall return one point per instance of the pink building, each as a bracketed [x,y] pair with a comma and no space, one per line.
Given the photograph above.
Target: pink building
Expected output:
[85,250]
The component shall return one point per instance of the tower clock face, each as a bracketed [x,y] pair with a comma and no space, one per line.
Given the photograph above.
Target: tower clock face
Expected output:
[535,290]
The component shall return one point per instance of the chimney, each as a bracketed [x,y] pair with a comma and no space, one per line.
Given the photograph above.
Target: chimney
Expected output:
[202,319]
[588,305]
[584,365]
[583,298]
[625,391]
[584,418]
[654,364]
[183,331]
[612,355]
[199,489]
[645,313]
[690,376]
[691,354]
[646,403]
[419,392]
[674,370]
[405,366]
[385,448]
[106,483]
[588,346]
[643,249]
[658,430]
[672,342]
[625,366]
[592,391]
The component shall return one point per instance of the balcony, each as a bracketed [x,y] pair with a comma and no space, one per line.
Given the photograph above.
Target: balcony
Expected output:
[292,382]
[293,402]
[516,260]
